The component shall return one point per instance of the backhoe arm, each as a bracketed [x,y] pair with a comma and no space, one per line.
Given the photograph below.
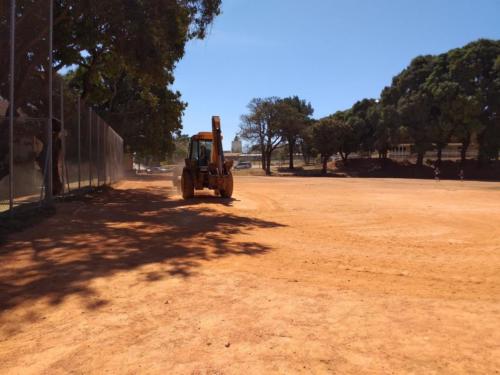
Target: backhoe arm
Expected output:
[217,152]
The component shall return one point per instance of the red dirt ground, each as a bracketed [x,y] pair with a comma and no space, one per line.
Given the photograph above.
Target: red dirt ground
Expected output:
[294,275]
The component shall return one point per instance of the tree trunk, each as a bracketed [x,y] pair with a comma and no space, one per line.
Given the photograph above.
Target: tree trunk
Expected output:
[383,153]
[268,164]
[325,164]
[420,158]
[344,155]
[382,157]
[86,84]
[301,148]
[291,144]
[4,146]
[439,155]
[57,186]
[481,156]
[463,151]
[263,157]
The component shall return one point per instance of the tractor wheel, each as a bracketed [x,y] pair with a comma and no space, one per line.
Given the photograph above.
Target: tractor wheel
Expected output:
[187,185]
[227,192]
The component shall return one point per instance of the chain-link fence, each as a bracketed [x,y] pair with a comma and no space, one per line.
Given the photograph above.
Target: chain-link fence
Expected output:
[41,158]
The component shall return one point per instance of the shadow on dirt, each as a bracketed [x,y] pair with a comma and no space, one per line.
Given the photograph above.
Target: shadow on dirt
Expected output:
[116,231]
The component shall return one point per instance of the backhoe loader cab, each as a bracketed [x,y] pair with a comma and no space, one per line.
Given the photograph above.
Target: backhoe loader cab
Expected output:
[205,166]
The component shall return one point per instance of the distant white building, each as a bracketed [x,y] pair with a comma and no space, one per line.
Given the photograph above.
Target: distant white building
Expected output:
[236,146]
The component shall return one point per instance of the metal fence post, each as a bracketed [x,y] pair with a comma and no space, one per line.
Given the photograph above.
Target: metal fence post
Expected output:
[90,147]
[106,153]
[98,164]
[79,146]
[11,103]
[63,140]
[48,194]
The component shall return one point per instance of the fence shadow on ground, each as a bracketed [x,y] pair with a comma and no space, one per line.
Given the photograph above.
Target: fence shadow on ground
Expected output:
[116,231]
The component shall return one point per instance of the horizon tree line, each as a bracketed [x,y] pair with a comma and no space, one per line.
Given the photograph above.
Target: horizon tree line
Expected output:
[435,100]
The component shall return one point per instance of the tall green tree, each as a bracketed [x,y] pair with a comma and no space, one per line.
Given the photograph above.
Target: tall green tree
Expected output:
[361,117]
[295,116]
[118,48]
[253,128]
[142,39]
[386,131]
[347,135]
[454,114]
[326,140]
[413,104]
[306,142]
[476,69]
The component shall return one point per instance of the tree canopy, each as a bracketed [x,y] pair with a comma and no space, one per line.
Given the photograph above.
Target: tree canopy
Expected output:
[451,97]
[296,117]
[454,95]
[130,54]
[325,139]
[123,55]
[435,100]
[274,121]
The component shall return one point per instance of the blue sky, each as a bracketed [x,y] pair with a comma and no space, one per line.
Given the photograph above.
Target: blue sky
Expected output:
[329,52]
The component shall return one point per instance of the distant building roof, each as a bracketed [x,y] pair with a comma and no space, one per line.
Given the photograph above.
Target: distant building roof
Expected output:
[231,154]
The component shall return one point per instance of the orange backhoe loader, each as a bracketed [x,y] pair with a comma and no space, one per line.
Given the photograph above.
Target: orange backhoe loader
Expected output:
[205,166]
